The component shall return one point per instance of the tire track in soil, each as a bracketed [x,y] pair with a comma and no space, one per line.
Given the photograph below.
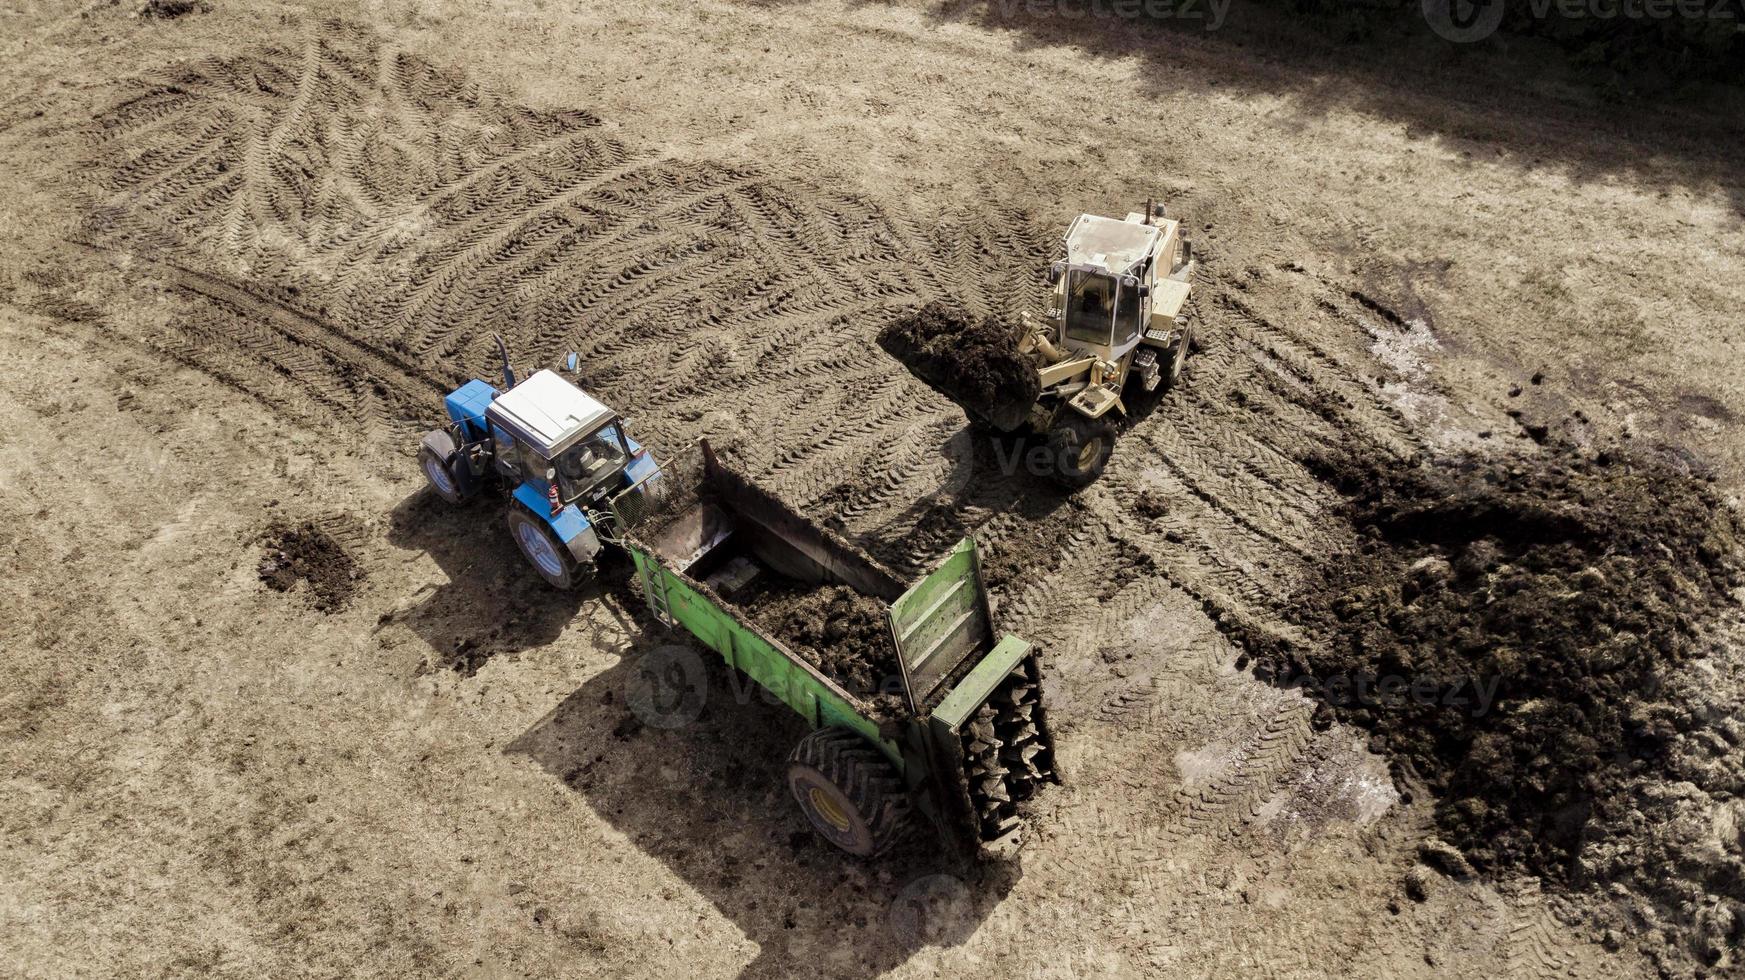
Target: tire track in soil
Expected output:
[1277,742]
[1176,698]
[384,217]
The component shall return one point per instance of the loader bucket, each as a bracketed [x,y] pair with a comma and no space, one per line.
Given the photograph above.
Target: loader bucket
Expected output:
[975,364]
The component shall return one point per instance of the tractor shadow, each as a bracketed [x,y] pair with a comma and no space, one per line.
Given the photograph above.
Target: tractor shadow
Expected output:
[492,601]
[709,798]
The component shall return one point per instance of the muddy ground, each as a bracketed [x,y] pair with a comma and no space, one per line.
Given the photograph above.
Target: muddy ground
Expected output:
[252,246]
[306,557]
[1513,628]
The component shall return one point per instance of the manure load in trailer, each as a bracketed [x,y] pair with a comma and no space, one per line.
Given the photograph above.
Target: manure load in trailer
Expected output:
[955,730]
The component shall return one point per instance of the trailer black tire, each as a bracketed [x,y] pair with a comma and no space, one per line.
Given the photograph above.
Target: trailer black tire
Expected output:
[1080,448]
[849,791]
[548,556]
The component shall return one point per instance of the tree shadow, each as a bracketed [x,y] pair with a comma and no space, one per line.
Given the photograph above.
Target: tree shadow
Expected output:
[1507,100]
[493,602]
[709,799]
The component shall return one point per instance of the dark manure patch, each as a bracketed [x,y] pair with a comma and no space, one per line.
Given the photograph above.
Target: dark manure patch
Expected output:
[1520,634]
[304,553]
[836,629]
[975,363]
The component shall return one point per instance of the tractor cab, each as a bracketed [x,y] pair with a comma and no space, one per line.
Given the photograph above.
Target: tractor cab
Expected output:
[548,432]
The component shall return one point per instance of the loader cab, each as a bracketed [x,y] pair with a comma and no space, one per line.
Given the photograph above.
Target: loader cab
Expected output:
[1103,286]
[1102,311]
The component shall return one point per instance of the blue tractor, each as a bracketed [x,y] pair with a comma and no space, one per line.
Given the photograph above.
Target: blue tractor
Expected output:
[560,454]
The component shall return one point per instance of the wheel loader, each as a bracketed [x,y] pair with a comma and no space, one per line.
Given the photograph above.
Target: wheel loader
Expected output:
[1116,324]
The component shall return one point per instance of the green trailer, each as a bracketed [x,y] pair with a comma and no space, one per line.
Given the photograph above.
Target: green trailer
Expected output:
[957,735]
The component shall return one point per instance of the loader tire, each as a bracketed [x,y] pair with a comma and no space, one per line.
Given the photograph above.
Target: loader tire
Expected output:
[544,551]
[1178,359]
[849,791]
[1080,448]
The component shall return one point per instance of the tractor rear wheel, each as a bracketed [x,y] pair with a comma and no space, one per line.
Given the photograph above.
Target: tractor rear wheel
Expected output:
[1080,448]
[850,792]
[548,556]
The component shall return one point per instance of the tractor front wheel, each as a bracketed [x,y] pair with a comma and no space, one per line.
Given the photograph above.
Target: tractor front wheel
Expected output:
[438,459]
[1080,448]
[850,792]
[544,551]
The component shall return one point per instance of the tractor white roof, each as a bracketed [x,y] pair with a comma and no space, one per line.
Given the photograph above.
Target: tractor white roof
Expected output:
[547,410]
[1111,243]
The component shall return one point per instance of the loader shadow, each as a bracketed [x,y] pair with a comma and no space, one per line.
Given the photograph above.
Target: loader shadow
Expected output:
[988,472]
[492,601]
[710,800]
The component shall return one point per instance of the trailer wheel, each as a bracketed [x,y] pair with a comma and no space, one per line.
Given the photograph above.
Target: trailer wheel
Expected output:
[436,457]
[1080,448]
[544,551]
[850,792]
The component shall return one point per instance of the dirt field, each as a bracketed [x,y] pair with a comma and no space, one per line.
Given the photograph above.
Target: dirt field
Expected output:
[250,246]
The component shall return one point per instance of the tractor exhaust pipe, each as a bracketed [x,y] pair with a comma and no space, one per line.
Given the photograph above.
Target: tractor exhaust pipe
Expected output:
[508,371]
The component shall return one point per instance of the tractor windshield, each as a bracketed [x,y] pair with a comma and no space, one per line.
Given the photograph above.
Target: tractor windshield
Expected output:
[1090,307]
[598,458]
